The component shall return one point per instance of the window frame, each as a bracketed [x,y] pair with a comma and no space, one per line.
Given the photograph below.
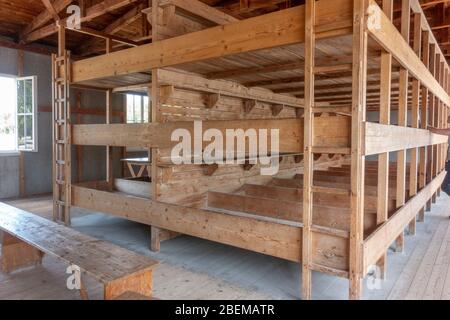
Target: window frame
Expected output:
[142,112]
[33,113]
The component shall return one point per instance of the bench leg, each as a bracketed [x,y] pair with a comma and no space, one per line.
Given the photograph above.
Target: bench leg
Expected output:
[17,254]
[155,243]
[83,291]
[140,283]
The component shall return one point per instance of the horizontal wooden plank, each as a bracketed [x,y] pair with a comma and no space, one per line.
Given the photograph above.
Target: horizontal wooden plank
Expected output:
[378,243]
[380,138]
[282,241]
[276,29]
[225,88]
[387,35]
[325,214]
[265,237]
[328,131]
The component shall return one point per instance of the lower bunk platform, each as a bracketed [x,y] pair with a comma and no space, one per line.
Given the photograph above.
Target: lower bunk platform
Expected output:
[267,218]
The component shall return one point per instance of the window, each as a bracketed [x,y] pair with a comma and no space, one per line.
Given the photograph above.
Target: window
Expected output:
[137,108]
[18,120]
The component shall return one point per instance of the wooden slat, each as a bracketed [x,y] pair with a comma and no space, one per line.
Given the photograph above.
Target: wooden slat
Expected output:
[381,138]
[329,130]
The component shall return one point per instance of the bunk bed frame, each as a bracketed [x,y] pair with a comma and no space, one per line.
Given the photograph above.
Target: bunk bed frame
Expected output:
[339,211]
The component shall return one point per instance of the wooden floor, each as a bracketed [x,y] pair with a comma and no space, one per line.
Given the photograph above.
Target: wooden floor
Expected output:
[197,269]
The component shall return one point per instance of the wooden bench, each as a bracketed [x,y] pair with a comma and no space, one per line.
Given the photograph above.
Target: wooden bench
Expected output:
[27,237]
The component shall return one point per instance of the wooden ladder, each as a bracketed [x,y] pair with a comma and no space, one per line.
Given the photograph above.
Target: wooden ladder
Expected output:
[61,138]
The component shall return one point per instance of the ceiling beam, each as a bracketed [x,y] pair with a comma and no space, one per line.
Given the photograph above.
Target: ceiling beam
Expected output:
[45,16]
[51,9]
[91,13]
[432,3]
[30,48]
[132,15]
[201,9]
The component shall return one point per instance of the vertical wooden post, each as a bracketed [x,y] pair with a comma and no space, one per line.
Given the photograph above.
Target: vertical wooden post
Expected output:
[444,116]
[415,118]
[385,118]
[432,67]
[424,120]
[402,119]
[435,123]
[308,144]
[22,189]
[359,92]
[79,149]
[109,149]
[154,96]
[439,123]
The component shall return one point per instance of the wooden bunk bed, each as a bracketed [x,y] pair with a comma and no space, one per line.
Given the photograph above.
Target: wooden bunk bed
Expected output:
[313,72]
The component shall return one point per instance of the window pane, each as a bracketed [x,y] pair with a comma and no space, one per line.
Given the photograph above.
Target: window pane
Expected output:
[28,96]
[29,132]
[21,131]
[146,109]
[129,108]
[20,96]
[137,109]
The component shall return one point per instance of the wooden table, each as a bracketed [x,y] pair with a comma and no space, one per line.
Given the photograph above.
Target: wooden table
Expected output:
[27,237]
[141,163]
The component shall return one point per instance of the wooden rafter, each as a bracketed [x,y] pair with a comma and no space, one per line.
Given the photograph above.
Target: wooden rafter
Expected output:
[127,18]
[45,16]
[50,8]
[92,12]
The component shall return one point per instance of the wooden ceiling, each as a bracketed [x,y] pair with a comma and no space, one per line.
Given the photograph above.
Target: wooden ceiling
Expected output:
[30,21]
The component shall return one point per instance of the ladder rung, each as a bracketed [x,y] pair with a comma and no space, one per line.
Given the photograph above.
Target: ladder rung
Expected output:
[60,182]
[59,79]
[331,150]
[60,100]
[60,162]
[327,190]
[60,122]
[60,141]
[60,58]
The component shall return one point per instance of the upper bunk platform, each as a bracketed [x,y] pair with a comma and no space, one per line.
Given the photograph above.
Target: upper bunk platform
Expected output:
[265,51]
[274,30]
